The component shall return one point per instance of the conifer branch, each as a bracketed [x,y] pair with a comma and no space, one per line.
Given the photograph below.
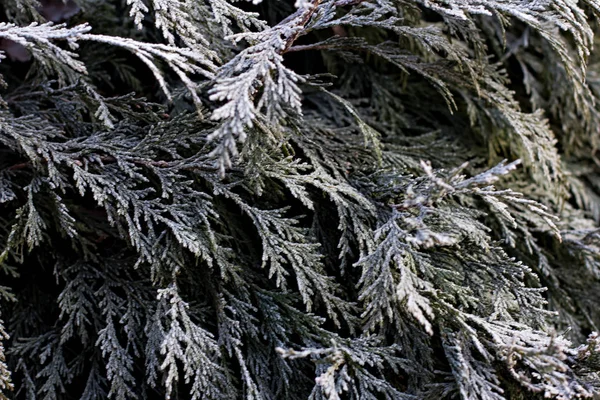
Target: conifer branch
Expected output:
[389,200]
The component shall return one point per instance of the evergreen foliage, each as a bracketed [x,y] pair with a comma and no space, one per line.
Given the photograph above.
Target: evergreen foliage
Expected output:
[332,199]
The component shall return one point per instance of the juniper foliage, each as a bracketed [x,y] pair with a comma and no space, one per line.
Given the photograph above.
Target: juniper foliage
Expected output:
[332,199]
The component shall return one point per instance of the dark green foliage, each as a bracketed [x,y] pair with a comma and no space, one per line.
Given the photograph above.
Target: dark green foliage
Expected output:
[333,199]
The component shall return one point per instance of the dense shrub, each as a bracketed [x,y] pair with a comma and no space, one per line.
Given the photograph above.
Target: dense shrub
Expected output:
[333,199]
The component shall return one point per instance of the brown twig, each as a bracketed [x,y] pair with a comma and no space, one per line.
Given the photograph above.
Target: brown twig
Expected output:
[22,165]
[306,47]
[305,19]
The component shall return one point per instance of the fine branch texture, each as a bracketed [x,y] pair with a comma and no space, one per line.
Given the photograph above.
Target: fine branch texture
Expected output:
[332,199]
